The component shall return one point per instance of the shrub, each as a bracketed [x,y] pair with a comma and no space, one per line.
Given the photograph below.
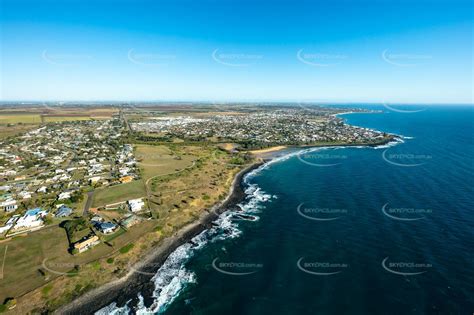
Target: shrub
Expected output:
[126,248]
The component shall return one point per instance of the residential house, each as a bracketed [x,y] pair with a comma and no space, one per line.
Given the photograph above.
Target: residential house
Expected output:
[125,179]
[94,180]
[8,225]
[136,205]
[42,189]
[24,195]
[86,243]
[63,211]
[64,195]
[8,205]
[130,221]
[106,227]
[31,219]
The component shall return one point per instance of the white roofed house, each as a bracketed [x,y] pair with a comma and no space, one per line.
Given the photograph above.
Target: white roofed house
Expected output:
[136,205]
[24,195]
[5,187]
[42,189]
[9,173]
[124,171]
[9,224]
[94,180]
[106,227]
[8,205]
[64,195]
[31,219]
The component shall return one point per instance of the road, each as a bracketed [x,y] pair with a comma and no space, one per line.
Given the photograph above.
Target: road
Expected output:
[87,205]
[124,118]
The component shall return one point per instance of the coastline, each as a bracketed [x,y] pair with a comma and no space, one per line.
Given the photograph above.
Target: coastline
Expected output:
[270,152]
[119,290]
[138,277]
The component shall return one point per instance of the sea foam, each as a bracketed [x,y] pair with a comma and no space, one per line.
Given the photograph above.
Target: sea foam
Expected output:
[172,277]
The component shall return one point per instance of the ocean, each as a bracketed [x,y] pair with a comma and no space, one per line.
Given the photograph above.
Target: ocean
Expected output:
[351,230]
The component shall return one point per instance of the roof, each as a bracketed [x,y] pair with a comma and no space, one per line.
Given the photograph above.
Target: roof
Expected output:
[107,225]
[63,210]
[34,211]
[130,219]
[87,241]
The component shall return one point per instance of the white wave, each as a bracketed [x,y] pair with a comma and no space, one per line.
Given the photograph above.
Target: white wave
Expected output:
[112,309]
[168,285]
[226,228]
[172,277]
[393,143]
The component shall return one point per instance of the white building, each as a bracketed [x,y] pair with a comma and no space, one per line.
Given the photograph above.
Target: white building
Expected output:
[31,219]
[64,195]
[8,205]
[94,179]
[9,224]
[42,189]
[136,205]
[24,195]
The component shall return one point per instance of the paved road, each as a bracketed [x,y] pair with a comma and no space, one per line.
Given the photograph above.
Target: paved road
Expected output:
[90,196]
[124,118]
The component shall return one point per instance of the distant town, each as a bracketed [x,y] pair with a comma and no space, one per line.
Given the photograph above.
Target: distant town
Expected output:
[267,127]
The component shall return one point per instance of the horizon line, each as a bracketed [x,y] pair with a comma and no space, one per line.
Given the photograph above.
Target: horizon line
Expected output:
[32,102]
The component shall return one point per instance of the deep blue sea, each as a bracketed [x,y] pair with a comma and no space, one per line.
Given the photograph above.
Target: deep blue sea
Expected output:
[357,230]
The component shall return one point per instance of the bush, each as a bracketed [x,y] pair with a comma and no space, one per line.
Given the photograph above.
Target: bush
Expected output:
[126,248]
[110,260]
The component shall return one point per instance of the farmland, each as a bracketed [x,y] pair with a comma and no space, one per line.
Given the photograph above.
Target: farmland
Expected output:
[40,115]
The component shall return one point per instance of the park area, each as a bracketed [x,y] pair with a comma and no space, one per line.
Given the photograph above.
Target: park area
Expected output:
[154,161]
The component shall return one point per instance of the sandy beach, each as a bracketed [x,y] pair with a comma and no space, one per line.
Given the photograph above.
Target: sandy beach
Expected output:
[125,288]
[268,150]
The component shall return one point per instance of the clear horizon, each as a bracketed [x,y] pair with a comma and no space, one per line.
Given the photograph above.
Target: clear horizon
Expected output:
[230,102]
[397,52]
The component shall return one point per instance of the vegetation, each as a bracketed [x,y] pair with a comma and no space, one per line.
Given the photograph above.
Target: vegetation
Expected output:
[73,227]
[126,248]
[121,192]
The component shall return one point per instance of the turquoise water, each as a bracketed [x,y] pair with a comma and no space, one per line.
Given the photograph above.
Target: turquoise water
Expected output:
[345,231]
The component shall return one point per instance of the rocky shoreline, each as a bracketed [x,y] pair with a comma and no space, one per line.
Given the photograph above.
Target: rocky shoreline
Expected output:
[126,288]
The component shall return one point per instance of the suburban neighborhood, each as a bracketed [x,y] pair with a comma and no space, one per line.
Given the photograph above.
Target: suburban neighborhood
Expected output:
[46,173]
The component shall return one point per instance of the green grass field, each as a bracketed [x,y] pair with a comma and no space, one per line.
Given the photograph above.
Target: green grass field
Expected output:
[160,160]
[34,259]
[24,257]
[153,161]
[122,192]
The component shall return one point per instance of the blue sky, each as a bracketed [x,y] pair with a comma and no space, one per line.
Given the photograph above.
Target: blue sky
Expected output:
[221,50]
